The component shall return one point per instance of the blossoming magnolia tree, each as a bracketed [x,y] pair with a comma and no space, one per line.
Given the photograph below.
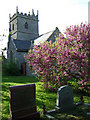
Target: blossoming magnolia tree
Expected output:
[64,60]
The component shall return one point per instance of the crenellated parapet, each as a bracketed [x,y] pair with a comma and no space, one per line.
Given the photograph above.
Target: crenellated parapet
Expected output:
[24,26]
[28,16]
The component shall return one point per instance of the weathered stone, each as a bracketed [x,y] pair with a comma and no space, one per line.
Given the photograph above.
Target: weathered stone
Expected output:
[22,102]
[64,98]
[88,115]
[24,35]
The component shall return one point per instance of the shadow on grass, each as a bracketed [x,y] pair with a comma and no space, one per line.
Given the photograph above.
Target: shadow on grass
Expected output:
[42,96]
[19,79]
[77,114]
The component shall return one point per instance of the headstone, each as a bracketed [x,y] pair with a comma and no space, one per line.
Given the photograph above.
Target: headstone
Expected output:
[64,98]
[23,102]
[88,115]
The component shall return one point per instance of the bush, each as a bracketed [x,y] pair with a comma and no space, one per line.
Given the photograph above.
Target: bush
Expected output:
[66,59]
[10,68]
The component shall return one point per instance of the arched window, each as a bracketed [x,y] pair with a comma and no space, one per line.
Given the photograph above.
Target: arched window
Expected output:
[26,25]
[13,27]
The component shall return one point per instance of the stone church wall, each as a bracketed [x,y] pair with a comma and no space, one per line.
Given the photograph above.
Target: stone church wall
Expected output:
[17,57]
[18,29]
[14,28]
[20,58]
[28,71]
[54,35]
[31,32]
[11,52]
[24,27]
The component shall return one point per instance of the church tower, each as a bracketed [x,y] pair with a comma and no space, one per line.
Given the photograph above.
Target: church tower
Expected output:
[24,26]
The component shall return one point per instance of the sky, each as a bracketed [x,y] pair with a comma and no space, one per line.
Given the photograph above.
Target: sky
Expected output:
[52,13]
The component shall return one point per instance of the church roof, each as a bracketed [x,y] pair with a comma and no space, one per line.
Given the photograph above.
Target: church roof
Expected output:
[46,36]
[24,46]
[21,45]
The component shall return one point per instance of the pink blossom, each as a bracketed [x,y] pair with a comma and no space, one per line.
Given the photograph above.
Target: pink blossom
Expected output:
[53,62]
[41,80]
[80,82]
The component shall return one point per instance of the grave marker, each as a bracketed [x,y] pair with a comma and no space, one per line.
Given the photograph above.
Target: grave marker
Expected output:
[64,98]
[23,102]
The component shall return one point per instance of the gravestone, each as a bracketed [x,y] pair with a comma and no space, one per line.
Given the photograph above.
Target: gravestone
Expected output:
[64,98]
[23,102]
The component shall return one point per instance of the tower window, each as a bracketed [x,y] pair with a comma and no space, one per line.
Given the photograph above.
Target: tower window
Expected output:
[26,25]
[13,27]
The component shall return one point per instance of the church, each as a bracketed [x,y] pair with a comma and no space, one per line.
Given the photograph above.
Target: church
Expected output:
[23,35]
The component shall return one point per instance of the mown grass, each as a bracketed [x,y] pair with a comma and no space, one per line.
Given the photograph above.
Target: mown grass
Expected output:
[42,96]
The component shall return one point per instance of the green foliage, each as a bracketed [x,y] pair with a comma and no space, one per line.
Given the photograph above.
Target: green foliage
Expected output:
[67,58]
[42,96]
[0,58]
[10,68]
[77,114]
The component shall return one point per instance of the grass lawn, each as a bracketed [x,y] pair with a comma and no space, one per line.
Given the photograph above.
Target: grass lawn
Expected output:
[42,96]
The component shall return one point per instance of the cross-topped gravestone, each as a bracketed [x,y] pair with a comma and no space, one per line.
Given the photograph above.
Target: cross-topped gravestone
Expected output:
[23,102]
[64,98]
